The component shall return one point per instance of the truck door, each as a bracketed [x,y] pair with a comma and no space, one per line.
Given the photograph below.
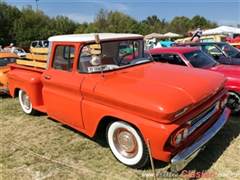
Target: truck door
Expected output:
[61,86]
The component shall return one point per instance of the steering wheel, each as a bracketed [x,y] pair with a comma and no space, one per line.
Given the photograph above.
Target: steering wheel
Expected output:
[120,61]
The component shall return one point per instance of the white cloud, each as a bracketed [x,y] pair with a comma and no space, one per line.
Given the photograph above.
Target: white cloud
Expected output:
[114,6]
[226,22]
[80,18]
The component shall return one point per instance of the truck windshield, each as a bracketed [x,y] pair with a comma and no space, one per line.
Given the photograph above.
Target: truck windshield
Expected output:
[113,55]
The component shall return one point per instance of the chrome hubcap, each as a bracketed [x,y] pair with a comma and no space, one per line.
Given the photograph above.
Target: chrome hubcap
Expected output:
[26,101]
[125,143]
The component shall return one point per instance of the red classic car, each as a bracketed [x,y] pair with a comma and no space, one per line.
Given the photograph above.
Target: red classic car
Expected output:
[195,58]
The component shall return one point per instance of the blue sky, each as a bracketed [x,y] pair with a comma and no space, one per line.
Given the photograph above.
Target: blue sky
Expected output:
[223,12]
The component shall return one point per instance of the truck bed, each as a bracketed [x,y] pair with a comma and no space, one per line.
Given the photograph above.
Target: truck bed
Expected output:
[37,58]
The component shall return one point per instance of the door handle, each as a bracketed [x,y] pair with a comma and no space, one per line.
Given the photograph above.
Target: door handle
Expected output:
[47,77]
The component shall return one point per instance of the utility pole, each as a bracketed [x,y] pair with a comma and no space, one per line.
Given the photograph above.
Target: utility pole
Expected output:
[37,5]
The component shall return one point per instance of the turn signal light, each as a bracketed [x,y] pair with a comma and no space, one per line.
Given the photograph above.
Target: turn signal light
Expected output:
[223,103]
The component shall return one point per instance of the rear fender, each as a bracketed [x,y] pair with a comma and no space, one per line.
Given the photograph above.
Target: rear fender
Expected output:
[28,81]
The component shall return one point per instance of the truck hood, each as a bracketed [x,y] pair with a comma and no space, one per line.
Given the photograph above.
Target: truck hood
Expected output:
[156,90]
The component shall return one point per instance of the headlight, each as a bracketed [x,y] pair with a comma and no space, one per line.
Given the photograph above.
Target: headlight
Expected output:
[180,135]
[185,133]
[178,139]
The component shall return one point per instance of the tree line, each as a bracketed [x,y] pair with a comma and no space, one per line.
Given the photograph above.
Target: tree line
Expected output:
[23,26]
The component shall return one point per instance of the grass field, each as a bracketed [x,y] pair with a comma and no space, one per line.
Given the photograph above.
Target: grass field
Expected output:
[37,148]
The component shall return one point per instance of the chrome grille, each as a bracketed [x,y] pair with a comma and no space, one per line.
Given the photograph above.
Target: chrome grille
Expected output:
[203,117]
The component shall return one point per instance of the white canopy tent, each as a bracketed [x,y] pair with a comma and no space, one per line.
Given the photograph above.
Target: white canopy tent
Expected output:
[222,30]
[172,35]
[154,35]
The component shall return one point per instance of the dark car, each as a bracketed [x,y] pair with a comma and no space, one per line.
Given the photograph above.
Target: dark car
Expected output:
[222,52]
[195,58]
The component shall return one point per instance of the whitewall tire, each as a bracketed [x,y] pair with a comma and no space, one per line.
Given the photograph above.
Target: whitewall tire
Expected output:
[127,144]
[26,103]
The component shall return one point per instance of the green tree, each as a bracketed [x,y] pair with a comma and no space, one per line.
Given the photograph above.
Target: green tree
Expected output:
[100,21]
[144,28]
[198,20]
[121,23]
[8,16]
[62,25]
[81,28]
[151,21]
[180,25]
[31,26]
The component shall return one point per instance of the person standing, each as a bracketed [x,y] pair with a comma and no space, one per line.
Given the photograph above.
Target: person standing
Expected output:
[156,44]
[228,39]
[237,40]
[197,35]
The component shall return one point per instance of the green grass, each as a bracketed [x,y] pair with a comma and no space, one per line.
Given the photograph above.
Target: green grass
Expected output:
[37,147]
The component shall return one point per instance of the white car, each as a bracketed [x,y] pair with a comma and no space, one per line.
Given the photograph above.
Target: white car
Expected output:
[20,52]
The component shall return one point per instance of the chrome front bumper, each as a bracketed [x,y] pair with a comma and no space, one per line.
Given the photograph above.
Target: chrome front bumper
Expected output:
[183,157]
[3,89]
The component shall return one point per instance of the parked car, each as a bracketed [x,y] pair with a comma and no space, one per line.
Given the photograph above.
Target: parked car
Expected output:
[39,43]
[193,57]
[205,38]
[20,52]
[5,59]
[168,43]
[222,52]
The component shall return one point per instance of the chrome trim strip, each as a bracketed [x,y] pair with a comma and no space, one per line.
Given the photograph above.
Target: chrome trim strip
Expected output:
[183,157]
[205,118]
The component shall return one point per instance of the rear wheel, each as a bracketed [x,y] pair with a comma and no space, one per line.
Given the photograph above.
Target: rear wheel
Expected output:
[127,144]
[233,101]
[26,103]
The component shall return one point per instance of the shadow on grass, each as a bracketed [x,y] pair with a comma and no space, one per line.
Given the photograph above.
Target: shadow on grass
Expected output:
[5,96]
[203,161]
[98,138]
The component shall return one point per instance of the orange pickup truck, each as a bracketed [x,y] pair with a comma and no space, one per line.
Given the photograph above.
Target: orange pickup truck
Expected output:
[90,83]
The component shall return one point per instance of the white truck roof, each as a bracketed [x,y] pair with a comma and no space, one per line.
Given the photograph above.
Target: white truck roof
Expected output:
[90,37]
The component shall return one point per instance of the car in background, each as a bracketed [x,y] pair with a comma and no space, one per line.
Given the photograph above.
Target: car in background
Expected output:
[205,38]
[168,43]
[39,43]
[222,52]
[5,59]
[193,57]
[20,52]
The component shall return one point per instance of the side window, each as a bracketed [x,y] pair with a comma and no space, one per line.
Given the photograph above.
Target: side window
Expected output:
[207,40]
[63,58]
[169,58]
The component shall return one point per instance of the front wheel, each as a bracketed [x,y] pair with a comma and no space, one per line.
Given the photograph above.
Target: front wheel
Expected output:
[127,145]
[26,103]
[233,102]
